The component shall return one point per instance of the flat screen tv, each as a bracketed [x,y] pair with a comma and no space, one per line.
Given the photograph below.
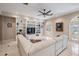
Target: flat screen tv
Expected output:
[30,30]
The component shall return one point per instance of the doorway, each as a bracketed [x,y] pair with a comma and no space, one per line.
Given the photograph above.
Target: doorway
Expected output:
[74,35]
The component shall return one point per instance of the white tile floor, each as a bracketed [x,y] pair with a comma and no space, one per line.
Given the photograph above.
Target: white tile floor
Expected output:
[71,50]
[11,49]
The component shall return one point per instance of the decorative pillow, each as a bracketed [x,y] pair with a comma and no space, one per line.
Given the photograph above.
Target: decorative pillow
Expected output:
[35,40]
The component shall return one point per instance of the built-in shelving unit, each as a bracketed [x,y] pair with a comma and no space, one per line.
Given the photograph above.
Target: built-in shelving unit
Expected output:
[34,28]
[36,25]
[29,26]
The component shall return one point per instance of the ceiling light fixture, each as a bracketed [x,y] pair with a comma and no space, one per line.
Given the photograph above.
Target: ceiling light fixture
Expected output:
[45,13]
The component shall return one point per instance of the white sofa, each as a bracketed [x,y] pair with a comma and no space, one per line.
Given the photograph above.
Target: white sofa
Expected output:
[47,47]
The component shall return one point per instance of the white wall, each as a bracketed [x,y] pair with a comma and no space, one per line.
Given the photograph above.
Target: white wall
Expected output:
[66,21]
[48,29]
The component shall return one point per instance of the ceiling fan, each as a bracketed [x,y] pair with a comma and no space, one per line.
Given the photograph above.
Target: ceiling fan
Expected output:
[45,13]
[25,3]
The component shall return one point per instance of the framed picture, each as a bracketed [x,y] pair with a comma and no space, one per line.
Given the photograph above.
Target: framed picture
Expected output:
[59,27]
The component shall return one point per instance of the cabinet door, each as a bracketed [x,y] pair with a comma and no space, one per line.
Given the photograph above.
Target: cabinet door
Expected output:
[65,41]
[9,28]
[59,46]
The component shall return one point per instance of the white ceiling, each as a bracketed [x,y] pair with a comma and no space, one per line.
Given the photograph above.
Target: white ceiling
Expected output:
[32,8]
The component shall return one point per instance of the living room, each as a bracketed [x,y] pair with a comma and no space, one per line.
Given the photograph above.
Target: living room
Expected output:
[39,29]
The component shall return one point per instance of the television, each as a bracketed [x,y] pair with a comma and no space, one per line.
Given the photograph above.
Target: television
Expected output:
[30,30]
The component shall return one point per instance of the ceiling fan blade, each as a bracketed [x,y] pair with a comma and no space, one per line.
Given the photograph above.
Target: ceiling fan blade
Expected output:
[49,14]
[39,15]
[40,11]
[48,11]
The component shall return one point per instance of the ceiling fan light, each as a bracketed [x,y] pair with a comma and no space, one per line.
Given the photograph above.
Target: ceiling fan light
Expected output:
[45,13]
